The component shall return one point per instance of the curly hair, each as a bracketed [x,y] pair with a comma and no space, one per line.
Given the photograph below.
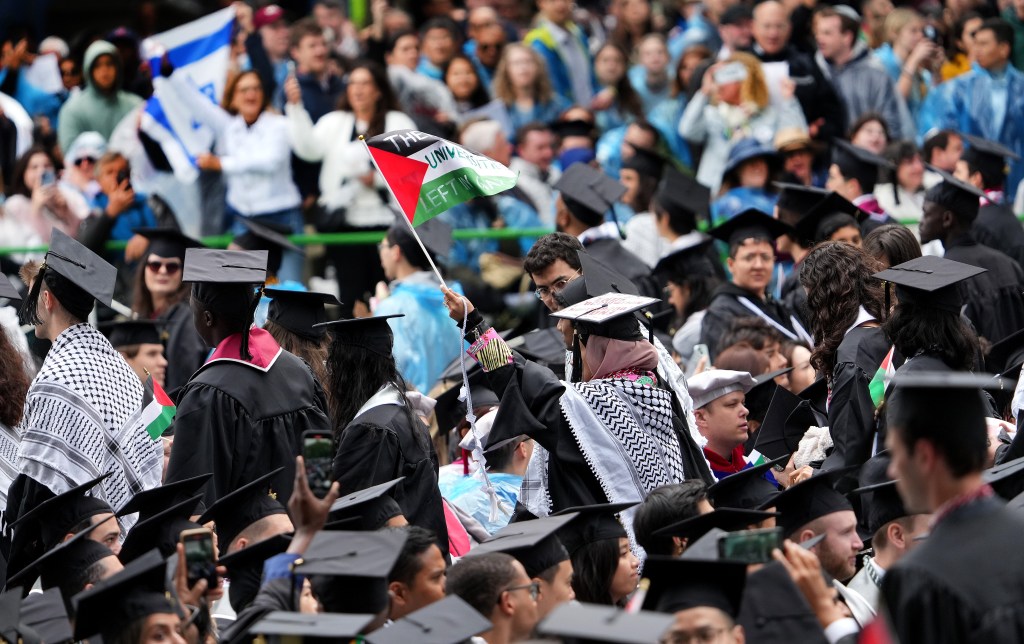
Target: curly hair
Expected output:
[838,280]
[14,382]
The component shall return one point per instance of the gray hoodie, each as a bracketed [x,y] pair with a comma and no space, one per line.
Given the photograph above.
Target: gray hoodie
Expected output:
[92,109]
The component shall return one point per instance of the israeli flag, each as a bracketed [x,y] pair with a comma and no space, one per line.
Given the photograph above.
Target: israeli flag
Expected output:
[201,51]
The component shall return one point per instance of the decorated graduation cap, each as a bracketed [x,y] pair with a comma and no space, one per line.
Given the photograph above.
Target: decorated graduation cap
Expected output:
[8,290]
[77,277]
[778,436]
[46,615]
[956,196]
[681,584]
[72,557]
[598,623]
[798,198]
[151,502]
[160,531]
[707,386]
[750,224]
[373,334]
[300,311]
[244,506]
[688,261]
[609,315]
[167,242]
[930,281]
[683,197]
[435,234]
[988,157]
[880,502]
[245,568]
[809,500]
[534,543]
[647,163]
[349,570]
[728,519]
[371,508]
[594,523]
[451,411]
[130,332]
[826,217]
[448,621]
[287,626]
[747,488]
[588,193]
[115,603]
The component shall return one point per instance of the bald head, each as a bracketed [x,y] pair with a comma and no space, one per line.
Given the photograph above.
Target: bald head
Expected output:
[771,26]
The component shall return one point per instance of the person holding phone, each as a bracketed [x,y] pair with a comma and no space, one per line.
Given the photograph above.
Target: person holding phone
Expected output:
[38,202]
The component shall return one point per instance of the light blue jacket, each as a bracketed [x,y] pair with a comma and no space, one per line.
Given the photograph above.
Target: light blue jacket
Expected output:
[543,41]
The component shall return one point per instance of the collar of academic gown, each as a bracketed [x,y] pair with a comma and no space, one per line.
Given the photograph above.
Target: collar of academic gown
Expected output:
[263,348]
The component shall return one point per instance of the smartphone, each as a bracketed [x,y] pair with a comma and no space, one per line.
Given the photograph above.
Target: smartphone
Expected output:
[318,454]
[750,546]
[291,68]
[199,556]
[123,176]
[699,351]
[931,34]
[49,177]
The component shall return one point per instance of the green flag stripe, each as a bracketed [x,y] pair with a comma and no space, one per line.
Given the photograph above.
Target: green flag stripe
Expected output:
[156,428]
[455,187]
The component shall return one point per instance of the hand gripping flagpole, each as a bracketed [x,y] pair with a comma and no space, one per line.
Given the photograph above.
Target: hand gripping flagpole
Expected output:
[412,228]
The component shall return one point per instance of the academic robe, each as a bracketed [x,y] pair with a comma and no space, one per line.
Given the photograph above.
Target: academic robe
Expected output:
[963,583]
[382,443]
[994,299]
[241,419]
[773,611]
[998,228]
[184,349]
[727,306]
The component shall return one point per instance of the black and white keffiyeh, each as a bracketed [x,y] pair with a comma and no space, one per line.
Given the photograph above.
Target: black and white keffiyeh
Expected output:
[83,418]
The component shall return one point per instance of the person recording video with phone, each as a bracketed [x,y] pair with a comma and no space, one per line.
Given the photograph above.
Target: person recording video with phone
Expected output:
[38,202]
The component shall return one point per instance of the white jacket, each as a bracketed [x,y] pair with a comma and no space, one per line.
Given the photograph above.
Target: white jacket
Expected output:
[345,159]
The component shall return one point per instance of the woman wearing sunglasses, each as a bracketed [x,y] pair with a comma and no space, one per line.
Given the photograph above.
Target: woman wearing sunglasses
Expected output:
[160,295]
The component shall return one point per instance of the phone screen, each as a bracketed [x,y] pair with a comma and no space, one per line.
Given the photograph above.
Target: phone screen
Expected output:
[199,558]
[318,453]
[750,546]
[48,178]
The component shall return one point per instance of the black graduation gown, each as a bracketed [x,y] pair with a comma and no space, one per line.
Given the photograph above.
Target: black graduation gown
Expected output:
[962,584]
[773,611]
[613,254]
[997,228]
[240,422]
[382,444]
[185,350]
[726,307]
[794,297]
[994,299]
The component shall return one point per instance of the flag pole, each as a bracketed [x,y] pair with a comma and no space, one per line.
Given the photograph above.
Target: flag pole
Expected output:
[412,228]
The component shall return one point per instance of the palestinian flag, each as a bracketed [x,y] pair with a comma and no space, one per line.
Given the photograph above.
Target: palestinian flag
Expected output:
[157,409]
[428,175]
[881,379]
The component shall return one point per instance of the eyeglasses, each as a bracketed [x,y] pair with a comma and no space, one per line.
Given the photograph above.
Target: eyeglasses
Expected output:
[488,46]
[84,160]
[171,268]
[545,292]
[705,635]
[533,587]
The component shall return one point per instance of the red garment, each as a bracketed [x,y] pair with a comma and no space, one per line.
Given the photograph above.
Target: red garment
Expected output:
[720,465]
[459,542]
[263,348]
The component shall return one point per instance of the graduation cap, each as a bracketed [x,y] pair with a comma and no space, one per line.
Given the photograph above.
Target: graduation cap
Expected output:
[349,569]
[687,262]
[959,197]
[647,163]
[153,501]
[798,198]
[115,603]
[300,311]
[373,334]
[727,519]
[245,568]
[826,217]
[72,557]
[371,508]
[598,312]
[989,157]
[244,506]
[880,502]
[290,626]
[708,386]
[265,236]
[574,127]
[588,193]
[930,281]
[160,531]
[747,488]
[82,267]
[598,623]
[448,621]
[450,411]
[534,543]
[750,224]
[810,499]
[597,279]
[130,332]
[595,523]
[543,346]
[7,289]
[167,242]
[778,436]
[1006,356]
[215,267]
[681,584]
[854,160]
[678,193]
[46,615]
[759,397]
[435,234]
[1007,479]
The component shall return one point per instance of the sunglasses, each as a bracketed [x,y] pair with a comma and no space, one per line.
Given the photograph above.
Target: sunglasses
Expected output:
[171,268]
[84,160]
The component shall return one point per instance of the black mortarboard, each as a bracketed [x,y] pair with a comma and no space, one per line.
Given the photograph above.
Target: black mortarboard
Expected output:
[778,436]
[71,557]
[880,502]
[594,523]
[217,267]
[728,519]
[435,234]
[129,332]
[544,346]
[534,543]
[264,236]
[451,411]
[84,268]
[237,510]
[588,193]
[149,503]
[747,488]
[290,627]
[759,397]
[113,604]
[300,311]
[597,623]
[687,262]
[349,569]
[160,531]
[10,615]
[7,289]
[373,334]
[371,507]
[798,198]
[826,217]
[990,157]
[45,614]
[167,242]
[846,154]
[575,127]
[245,568]
[1007,479]
[448,621]
[647,163]
[1005,357]
[930,281]
[942,401]
[775,611]
[681,584]
[678,192]
[810,499]
[816,395]
[750,224]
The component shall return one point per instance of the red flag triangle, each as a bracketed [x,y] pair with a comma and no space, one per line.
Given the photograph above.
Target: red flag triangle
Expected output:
[404,175]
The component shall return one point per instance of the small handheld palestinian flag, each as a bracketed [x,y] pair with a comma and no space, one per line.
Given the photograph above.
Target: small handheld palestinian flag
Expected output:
[883,376]
[157,409]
